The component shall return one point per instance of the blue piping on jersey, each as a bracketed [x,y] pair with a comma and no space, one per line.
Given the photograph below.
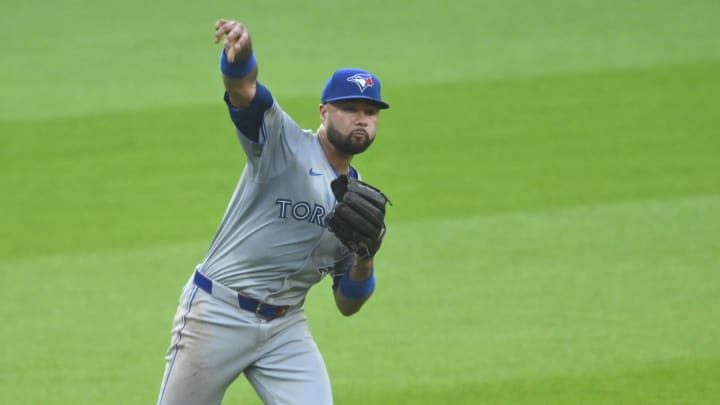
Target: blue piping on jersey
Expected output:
[263,132]
[353,173]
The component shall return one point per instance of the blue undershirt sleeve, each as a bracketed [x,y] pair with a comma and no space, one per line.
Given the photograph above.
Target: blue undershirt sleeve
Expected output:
[248,120]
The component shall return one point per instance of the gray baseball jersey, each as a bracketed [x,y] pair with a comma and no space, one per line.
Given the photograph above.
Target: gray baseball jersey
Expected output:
[272,244]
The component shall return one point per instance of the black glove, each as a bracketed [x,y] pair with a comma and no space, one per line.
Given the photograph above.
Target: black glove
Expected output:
[358,219]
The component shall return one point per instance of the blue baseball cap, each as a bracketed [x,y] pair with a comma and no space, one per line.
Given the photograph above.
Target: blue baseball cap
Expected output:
[352,83]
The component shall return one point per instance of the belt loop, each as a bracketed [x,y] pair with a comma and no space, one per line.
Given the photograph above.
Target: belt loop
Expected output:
[203,282]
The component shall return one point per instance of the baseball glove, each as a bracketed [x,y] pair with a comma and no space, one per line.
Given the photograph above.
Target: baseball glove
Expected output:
[358,219]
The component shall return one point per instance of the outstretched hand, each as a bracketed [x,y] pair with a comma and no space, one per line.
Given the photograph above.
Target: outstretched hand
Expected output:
[238,45]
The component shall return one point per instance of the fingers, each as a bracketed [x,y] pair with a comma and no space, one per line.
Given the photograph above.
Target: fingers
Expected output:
[220,22]
[223,27]
[237,39]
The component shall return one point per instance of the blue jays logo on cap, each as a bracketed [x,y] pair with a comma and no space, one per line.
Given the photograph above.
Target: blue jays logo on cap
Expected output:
[362,80]
[353,83]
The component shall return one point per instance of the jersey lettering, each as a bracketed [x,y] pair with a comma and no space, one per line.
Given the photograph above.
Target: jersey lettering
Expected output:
[318,215]
[283,206]
[301,211]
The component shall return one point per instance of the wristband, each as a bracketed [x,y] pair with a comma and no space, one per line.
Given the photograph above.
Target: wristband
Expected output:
[237,70]
[357,290]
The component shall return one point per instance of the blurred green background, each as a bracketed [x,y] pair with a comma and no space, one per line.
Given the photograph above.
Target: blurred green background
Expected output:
[554,168]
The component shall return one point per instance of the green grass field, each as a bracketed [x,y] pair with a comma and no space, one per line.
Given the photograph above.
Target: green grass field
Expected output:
[554,168]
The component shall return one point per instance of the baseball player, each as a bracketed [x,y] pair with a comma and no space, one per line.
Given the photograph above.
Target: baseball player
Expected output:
[299,212]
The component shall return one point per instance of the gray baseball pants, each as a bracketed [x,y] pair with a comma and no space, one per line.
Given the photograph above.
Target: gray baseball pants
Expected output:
[214,341]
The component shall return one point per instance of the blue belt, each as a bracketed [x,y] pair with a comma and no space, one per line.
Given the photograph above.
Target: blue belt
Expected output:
[265,311]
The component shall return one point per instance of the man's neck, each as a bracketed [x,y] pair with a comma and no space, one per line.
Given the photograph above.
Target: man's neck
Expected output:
[339,161]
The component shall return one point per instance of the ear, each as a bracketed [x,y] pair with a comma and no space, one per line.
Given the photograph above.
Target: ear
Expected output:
[323,113]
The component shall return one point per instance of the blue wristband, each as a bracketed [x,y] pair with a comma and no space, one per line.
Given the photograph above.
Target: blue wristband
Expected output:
[357,290]
[237,70]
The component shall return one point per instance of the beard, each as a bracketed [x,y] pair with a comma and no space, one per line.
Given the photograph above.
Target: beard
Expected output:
[349,144]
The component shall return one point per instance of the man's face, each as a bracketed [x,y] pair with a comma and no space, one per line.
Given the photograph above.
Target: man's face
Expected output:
[350,124]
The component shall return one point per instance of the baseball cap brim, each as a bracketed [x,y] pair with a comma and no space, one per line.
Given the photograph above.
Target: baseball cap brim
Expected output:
[383,105]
